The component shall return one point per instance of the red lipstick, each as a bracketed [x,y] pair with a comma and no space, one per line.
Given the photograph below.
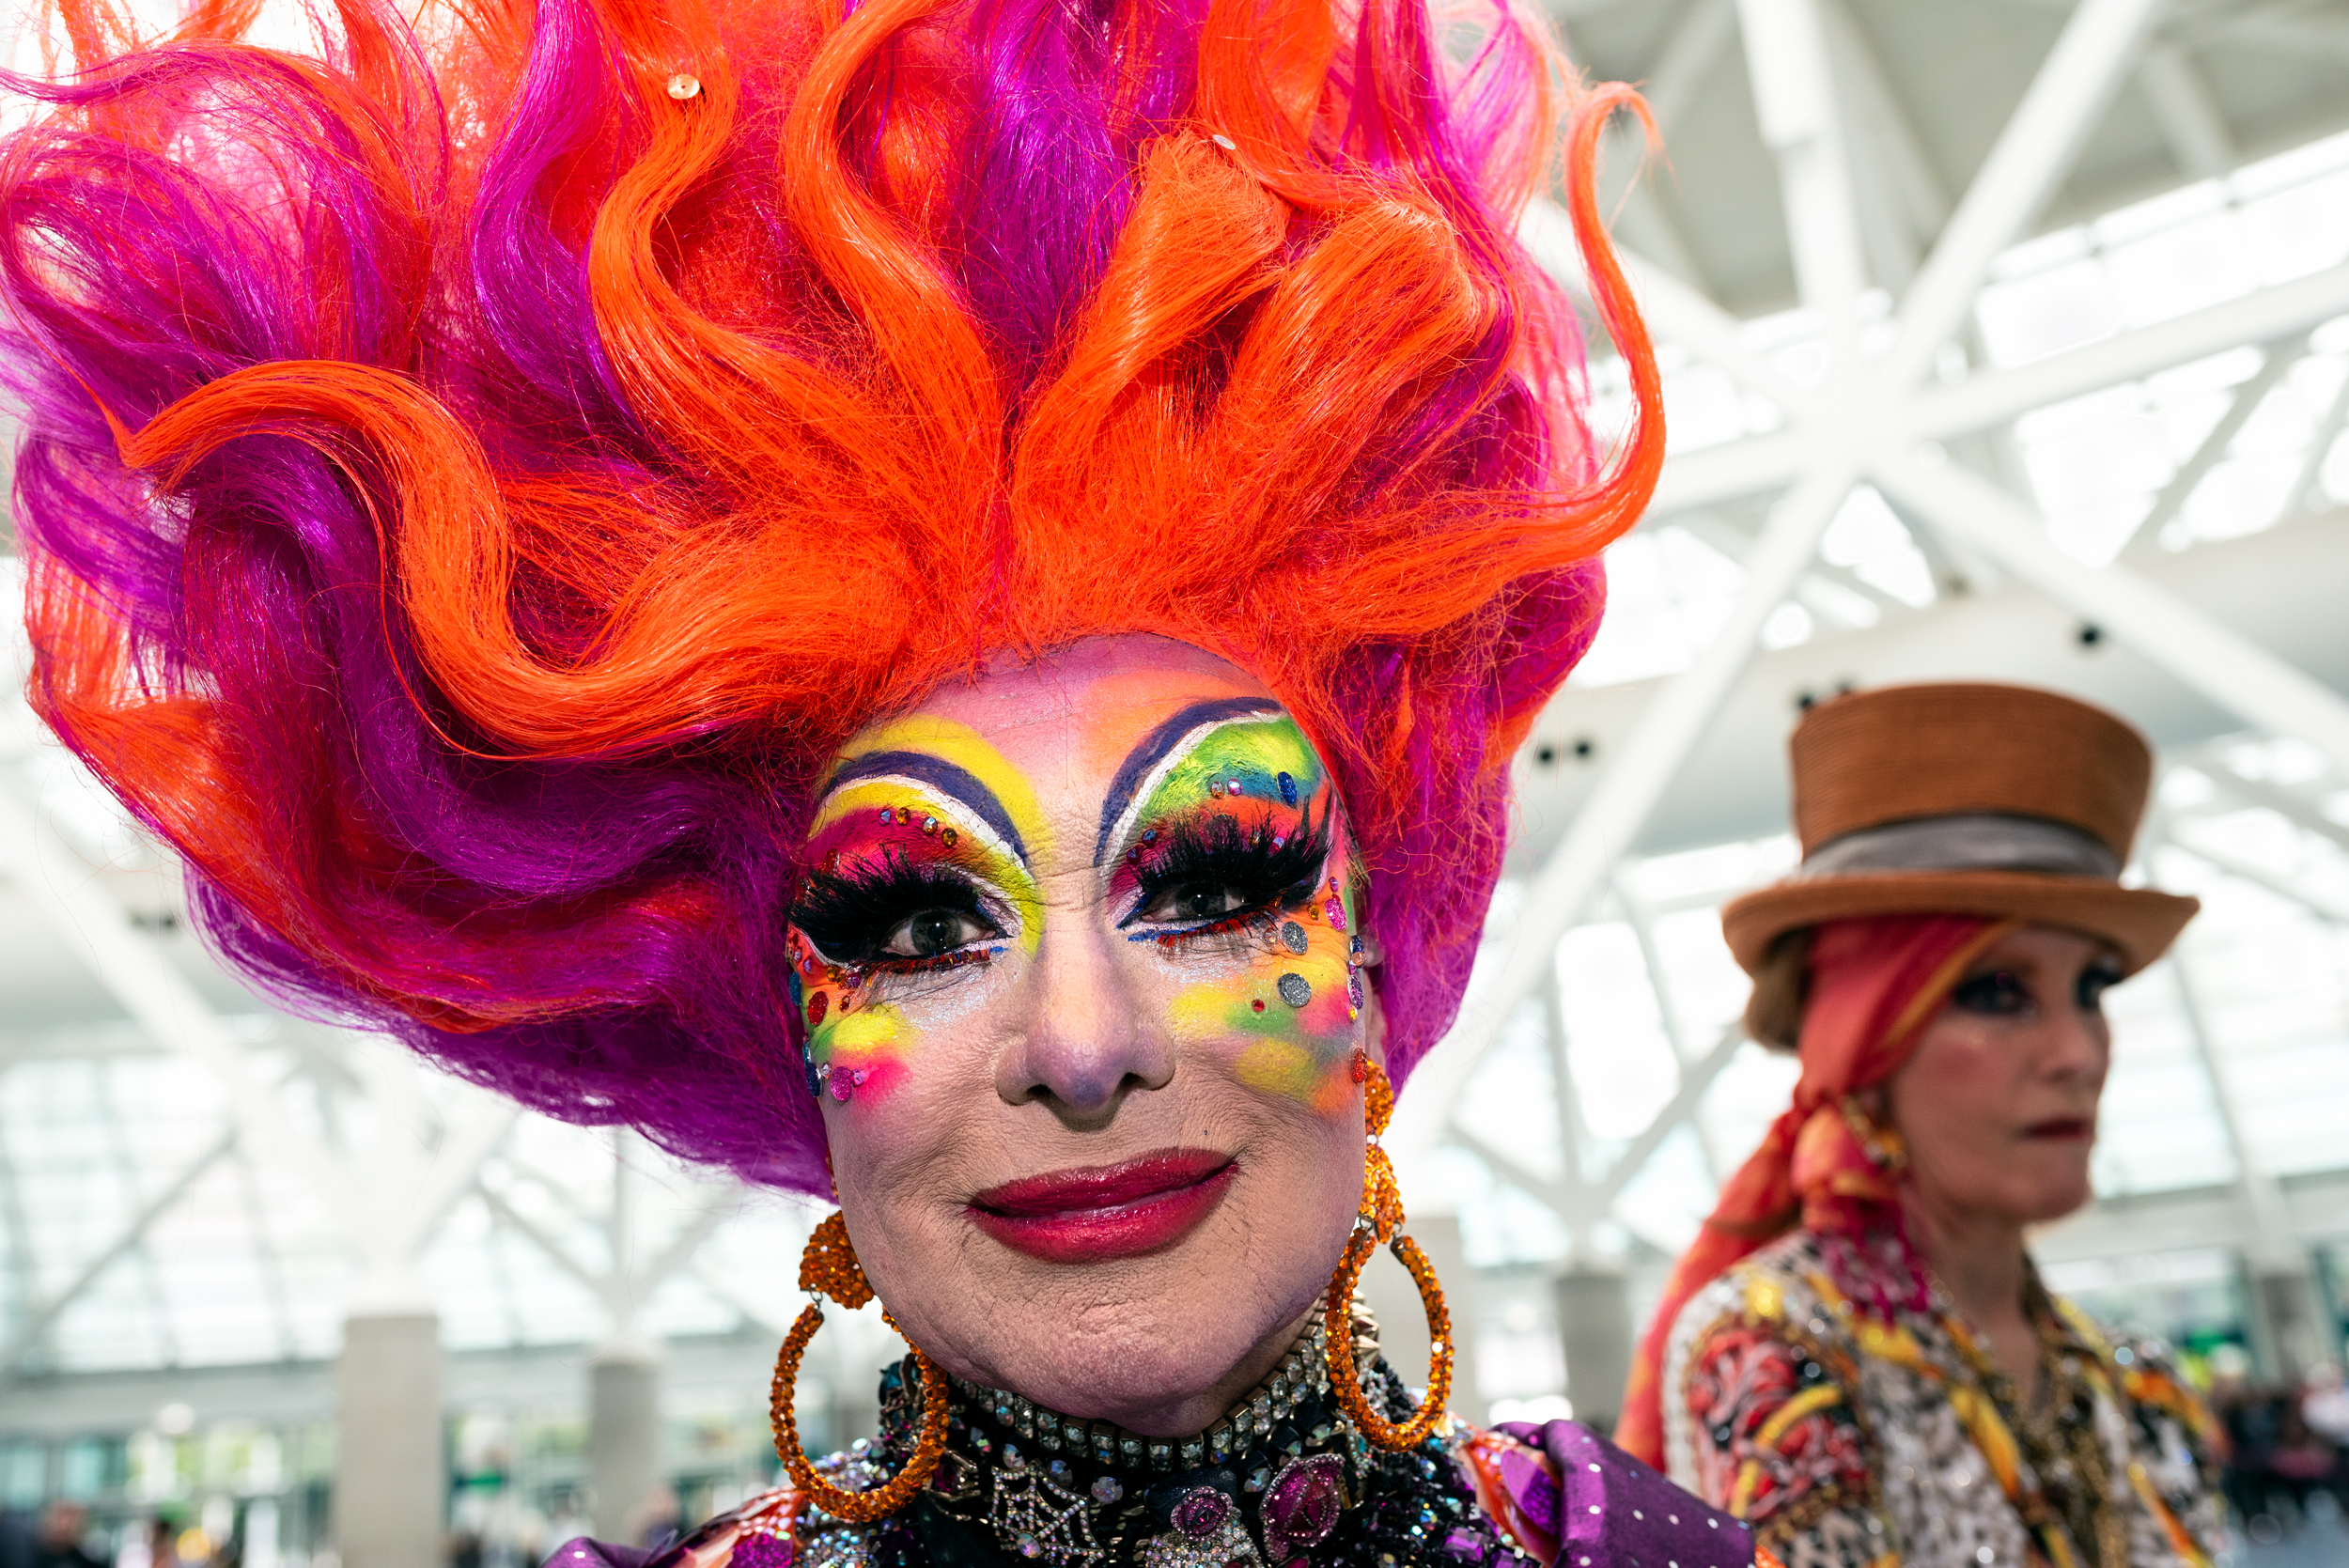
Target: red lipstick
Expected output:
[2078,1129]
[1090,1214]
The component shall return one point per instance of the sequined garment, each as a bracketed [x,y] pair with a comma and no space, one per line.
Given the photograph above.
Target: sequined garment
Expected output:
[1825,1391]
[1296,1488]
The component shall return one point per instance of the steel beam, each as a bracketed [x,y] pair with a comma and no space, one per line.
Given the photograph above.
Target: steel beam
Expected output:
[2312,463]
[152,991]
[2258,1184]
[1714,474]
[1697,42]
[1802,124]
[127,1240]
[1996,397]
[2210,658]
[1675,312]
[1567,1093]
[2186,112]
[1696,1077]
[1642,924]
[1621,801]
[2033,154]
[2259,876]
[2301,813]
[2213,450]
[1568,1205]
[1914,182]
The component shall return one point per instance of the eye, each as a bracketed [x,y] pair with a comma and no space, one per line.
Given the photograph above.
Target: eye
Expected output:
[1998,994]
[927,933]
[892,913]
[1193,901]
[2094,982]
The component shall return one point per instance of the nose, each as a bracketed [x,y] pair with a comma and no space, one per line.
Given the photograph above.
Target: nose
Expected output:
[1087,1039]
[2077,1046]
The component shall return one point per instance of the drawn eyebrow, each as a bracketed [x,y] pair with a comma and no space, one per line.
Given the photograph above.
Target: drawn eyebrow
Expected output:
[958,782]
[1152,749]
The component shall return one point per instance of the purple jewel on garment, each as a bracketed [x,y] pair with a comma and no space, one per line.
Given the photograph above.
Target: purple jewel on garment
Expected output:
[759,1549]
[1465,1544]
[1302,1504]
[1201,1512]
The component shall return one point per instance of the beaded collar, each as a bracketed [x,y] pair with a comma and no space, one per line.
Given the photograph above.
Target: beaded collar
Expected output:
[1302,1371]
[1282,1480]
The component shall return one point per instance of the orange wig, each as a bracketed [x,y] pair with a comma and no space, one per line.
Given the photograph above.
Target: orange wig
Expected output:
[478,471]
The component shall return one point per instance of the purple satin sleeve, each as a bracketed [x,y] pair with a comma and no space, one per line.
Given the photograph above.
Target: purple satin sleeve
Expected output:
[1613,1510]
[584,1553]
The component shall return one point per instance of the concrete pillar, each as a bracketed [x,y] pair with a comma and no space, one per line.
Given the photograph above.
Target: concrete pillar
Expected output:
[2291,1327]
[391,1475]
[1594,1323]
[1403,1319]
[623,1436]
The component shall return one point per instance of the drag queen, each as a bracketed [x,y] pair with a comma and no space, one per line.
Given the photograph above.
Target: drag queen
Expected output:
[925,601]
[1857,1354]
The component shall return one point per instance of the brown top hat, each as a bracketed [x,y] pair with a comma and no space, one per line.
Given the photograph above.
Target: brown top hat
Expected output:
[1972,800]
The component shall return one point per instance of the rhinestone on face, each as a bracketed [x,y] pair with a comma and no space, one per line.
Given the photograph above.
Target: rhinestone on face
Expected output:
[1295,989]
[1292,936]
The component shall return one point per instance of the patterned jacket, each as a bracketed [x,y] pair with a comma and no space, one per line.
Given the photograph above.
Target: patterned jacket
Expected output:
[1821,1391]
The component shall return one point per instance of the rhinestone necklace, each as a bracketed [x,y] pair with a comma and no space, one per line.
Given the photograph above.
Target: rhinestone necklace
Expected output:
[1280,1469]
[1302,1371]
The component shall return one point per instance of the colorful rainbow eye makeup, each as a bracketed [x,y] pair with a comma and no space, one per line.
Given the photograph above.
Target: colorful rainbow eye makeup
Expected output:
[1223,824]
[1220,844]
[917,867]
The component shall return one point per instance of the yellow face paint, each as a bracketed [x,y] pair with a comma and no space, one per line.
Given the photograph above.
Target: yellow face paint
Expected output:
[927,808]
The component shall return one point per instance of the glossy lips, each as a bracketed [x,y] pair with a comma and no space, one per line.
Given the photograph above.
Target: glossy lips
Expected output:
[1095,1212]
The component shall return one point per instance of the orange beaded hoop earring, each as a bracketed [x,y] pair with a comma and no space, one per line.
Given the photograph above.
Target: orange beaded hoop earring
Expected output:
[828,1265]
[1379,1219]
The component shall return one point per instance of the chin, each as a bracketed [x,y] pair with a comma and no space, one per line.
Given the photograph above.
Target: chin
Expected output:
[1118,1343]
[1126,1340]
[2055,1196]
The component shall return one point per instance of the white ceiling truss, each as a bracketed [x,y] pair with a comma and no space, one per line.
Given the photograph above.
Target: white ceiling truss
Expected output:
[353,1179]
[1898,394]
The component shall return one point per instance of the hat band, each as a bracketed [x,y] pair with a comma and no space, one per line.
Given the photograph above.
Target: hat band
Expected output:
[1968,842]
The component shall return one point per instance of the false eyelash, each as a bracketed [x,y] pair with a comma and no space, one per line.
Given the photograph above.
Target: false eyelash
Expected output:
[1224,850]
[847,915]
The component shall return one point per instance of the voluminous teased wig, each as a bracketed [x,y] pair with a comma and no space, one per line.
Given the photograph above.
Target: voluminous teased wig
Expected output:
[476,471]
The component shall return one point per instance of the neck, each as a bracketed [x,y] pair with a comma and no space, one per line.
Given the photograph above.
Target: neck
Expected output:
[1978,1258]
[1287,1351]
[1181,1418]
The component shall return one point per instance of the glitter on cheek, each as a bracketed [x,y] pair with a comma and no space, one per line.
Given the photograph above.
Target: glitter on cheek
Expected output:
[1290,1070]
[1300,1053]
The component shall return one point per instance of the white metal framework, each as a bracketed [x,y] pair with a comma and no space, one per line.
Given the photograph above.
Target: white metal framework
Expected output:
[1905,262]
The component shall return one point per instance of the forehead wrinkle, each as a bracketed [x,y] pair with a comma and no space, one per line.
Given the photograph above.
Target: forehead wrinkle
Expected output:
[947,778]
[1152,749]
